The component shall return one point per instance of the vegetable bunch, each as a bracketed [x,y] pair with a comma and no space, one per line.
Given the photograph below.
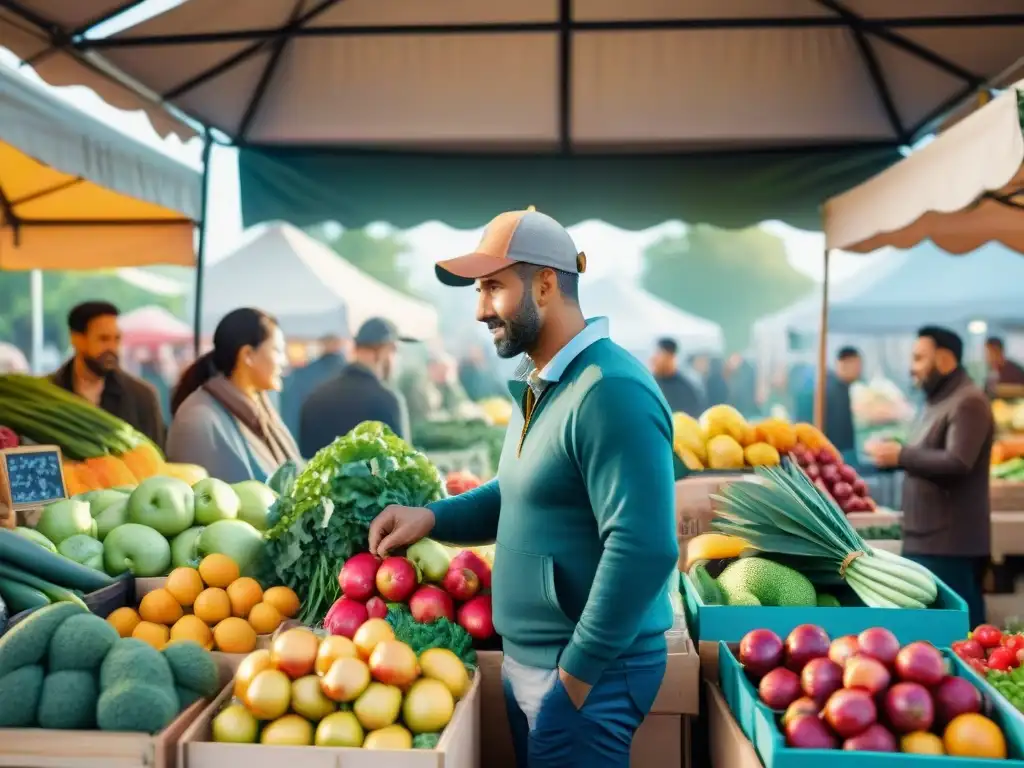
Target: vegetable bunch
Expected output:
[325,517]
[441,633]
[1010,684]
[787,518]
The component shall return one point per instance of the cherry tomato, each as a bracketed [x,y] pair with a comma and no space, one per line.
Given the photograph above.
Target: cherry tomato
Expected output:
[1013,642]
[972,649]
[987,635]
[1002,659]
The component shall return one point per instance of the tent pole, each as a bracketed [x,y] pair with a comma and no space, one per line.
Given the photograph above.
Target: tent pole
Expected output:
[819,393]
[197,319]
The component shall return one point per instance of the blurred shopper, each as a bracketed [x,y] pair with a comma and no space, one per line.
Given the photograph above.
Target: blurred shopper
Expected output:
[361,392]
[435,390]
[946,523]
[839,426]
[477,378]
[742,382]
[1001,370]
[301,382]
[222,418]
[680,392]
[95,373]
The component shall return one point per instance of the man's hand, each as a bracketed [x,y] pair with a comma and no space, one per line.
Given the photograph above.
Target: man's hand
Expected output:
[576,688]
[885,453]
[397,527]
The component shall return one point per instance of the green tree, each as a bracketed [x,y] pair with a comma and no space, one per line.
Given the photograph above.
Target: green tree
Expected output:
[730,277]
[379,256]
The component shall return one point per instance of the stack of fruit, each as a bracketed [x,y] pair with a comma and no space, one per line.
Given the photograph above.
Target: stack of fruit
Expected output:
[433,586]
[836,478]
[213,606]
[370,691]
[67,669]
[865,693]
[161,523]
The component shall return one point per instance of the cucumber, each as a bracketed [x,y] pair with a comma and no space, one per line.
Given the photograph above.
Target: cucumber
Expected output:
[55,593]
[29,557]
[21,597]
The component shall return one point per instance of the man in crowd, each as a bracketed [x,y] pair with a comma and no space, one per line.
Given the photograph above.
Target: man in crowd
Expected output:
[302,381]
[94,372]
[583,508]
[946,525]
[1001,370]
[476,377]
[360,392]
[838,407]
[679,391]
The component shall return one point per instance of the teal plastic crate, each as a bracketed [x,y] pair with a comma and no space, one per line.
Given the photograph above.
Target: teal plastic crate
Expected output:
[941,624]
[760,725]
[1014,720]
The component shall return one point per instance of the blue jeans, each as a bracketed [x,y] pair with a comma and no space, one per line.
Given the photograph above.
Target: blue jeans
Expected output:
[600,733]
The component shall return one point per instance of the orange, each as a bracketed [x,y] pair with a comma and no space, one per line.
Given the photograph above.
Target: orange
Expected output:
[973,735]
[284,599]
[154,634]
[265,618]
[212,605]
[922,743]
[185,584]
[234,635]
[244,593]
[124,620]
[190,627]
[218,570]
[160,607]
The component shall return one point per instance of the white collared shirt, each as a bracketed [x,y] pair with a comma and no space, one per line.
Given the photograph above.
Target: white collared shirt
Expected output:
[595,330]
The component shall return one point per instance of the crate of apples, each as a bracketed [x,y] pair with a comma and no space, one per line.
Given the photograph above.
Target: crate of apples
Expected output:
[835,477]
[433,585]
[865,693]
[370,691]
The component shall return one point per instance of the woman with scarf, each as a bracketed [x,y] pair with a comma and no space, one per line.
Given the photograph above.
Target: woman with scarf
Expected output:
[222,418]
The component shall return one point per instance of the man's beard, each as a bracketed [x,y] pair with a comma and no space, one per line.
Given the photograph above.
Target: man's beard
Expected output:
[521,331]
[102,365]
[930,381]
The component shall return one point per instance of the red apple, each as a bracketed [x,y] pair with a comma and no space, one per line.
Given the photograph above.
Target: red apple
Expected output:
[396,579]
[920,662]
[850,712]
[860,487]
[848,473]
[802,706]
[908,708]
[813,471]
[808,732]
[841,491]
[461,583]
[804,643]
[821,678]
[879,643]
[760,652]
[474,616]
[830,474]
[430,603]
[866,673]
[779,688]
[376,608]
[876,738]
[357,576]
[467,558]
[955,696]
[842,649]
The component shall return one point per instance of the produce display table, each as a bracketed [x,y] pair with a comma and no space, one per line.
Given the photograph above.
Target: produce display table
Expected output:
[1007,534]
[1006,496]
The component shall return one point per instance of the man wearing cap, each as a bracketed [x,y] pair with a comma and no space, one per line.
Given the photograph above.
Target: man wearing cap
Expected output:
[359,393]
[582,510]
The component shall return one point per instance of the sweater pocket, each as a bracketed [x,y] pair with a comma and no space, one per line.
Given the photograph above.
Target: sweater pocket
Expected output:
[525,604]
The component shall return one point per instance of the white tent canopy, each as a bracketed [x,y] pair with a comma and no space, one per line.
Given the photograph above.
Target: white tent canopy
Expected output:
[638,319]
[962,190]
[309,288]
[534,73]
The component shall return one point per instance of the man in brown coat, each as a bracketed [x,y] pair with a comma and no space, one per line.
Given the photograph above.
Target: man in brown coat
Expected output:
[946,525]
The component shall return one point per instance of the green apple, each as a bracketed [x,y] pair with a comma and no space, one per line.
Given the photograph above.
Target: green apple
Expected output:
[65,518]
[184,552]
[256,499]
[165,504]
[136,548]
[215,500]
[431,558]
[234,538]
[101,499]
[112,516]
[83,549]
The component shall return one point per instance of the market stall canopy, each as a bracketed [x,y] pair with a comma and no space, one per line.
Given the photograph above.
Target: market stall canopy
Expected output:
[77,194]
[325,95]
[962,190]
[152,327]
[308,287]
[638,319]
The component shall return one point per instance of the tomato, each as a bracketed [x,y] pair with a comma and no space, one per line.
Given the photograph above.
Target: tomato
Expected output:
[1013,642]
[987,635]
[972,649]
[1002,659]
[958,648]
[978,666]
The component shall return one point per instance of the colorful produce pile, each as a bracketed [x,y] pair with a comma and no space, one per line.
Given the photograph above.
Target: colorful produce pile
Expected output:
[805,548]
[865,693]
[998,657]
[879,402]
[1009,469]
[434,588]
[836,478]
[497,409]
[371,691]
[213,606]
[67,669]
[160,524]
[322,518]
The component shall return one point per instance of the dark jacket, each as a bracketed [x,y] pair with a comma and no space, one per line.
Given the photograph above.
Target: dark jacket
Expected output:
[946,492]
[681,394]
[302,381]
[125,396]
[839,414]
[343,402]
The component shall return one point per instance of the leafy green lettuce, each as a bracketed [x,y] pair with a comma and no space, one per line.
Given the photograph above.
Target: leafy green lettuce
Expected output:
[326,516]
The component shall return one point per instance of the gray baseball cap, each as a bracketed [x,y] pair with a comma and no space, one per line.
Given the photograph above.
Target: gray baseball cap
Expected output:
[377,331]
[515,237]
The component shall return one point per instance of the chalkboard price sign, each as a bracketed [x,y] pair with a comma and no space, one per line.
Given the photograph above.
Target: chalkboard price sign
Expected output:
[31,476]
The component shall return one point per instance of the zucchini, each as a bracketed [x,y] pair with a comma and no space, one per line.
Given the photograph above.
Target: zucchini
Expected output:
[31,558]
[21,597]
[55,593]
